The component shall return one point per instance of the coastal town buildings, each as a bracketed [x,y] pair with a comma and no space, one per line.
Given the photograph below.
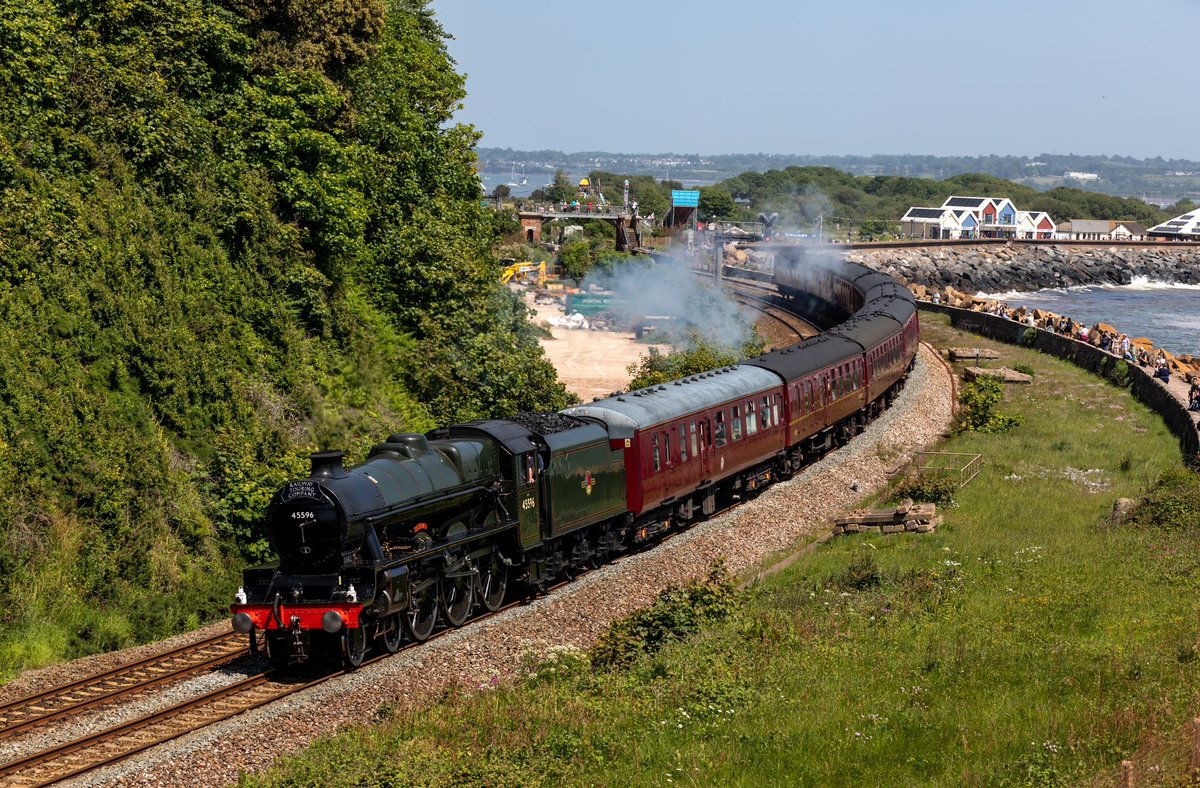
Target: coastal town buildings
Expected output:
[976,217]
[1100,230]
[1185,227]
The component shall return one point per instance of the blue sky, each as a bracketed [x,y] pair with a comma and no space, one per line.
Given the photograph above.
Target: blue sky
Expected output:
[801,77]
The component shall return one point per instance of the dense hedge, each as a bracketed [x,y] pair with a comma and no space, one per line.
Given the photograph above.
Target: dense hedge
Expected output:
[230,233]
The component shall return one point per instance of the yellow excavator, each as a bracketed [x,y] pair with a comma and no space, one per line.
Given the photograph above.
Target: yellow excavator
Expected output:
[519,271]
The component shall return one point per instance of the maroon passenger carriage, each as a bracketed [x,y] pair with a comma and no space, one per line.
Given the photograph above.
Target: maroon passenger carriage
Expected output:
[692,441]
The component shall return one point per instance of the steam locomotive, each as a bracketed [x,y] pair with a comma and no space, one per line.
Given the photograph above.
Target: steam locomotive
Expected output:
[431,528]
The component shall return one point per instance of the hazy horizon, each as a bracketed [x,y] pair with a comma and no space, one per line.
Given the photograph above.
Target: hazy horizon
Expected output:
[830,79]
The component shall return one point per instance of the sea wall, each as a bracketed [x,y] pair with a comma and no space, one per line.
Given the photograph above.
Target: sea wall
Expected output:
[1021,266]
[1150,392]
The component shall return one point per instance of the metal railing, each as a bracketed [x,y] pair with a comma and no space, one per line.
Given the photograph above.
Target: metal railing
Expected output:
[959,466]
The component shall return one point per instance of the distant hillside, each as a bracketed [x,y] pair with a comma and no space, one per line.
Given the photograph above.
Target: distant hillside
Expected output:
[1160,181]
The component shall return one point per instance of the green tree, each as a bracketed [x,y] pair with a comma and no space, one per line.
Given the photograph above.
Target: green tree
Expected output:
[716,203]
[560,189]
[231,233]
[695,355]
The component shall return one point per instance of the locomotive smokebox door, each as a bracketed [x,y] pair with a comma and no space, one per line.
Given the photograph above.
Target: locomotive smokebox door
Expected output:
[528,505]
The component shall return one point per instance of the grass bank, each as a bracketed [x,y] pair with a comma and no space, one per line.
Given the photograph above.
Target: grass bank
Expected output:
[1026,642]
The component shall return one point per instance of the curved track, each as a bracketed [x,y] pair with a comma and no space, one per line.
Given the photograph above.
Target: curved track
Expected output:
[49,764]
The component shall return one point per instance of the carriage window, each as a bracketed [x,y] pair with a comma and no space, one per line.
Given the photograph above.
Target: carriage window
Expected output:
[735,424]
[720,428]
[775,411]
[751,419]
[857,376]
[695,449]
[683,455]
[667,448]
[766,413]
[654,445]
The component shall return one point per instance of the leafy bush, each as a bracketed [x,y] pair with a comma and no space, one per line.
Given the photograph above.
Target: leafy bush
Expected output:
[1174,501]
[275,243]
[677,613]
[1024,369]
[929,488]
[977,402]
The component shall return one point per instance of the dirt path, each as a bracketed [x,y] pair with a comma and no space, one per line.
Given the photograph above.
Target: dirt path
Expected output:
[589,363]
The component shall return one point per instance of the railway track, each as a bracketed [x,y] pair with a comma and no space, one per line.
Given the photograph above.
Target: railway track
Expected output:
[55,762]
[33,711]
[784,327]
[50,764]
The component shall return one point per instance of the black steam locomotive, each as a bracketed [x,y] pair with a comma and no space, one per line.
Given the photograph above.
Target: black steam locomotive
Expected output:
[432,527]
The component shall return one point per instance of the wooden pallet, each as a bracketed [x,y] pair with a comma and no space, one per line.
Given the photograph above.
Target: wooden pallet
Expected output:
[907,517]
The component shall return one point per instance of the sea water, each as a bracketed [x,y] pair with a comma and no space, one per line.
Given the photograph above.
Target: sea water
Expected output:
[1166,314]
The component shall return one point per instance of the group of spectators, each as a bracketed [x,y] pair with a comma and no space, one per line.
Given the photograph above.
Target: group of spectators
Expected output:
[1117,344]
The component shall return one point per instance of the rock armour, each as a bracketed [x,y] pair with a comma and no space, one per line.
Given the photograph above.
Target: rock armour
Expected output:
[1028,267]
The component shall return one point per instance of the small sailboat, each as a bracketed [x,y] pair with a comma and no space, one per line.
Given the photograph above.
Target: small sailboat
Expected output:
[512,177]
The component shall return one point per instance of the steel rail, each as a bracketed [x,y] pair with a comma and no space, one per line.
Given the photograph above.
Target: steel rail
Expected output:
[22,714]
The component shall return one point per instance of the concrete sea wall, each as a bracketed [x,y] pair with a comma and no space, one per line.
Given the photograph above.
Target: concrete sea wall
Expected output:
[1150,392]
[1028,266]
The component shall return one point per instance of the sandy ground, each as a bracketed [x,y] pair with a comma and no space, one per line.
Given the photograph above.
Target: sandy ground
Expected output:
[589,363]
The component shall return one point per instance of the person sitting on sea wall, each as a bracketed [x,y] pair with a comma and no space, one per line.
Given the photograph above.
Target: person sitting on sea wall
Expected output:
[1106,343]
[1163,373]
[1194,395]
[1083,333]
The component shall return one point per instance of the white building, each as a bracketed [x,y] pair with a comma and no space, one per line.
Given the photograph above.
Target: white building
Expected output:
[1181,228]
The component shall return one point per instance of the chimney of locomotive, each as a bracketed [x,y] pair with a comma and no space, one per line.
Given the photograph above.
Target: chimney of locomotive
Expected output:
[328,464]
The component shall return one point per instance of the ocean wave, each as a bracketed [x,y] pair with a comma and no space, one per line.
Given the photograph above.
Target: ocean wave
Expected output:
[1145,283]
[1138,284]
[1045,292]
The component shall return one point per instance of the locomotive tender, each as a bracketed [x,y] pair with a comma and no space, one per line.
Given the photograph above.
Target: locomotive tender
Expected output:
[432,527]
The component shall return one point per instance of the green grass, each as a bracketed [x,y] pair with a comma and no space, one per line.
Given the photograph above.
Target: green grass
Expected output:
[1026,642]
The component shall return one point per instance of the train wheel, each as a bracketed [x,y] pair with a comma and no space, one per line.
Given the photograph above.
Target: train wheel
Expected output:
[457,598]
[354,647]
[391,631]
[421,616]
[493,583]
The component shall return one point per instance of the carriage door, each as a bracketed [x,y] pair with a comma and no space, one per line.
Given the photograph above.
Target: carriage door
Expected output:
[705,449]
[527,473]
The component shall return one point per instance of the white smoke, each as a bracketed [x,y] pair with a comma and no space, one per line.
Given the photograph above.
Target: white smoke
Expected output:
[667,287]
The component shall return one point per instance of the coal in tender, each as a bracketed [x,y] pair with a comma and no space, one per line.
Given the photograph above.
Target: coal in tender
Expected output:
[547,423]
